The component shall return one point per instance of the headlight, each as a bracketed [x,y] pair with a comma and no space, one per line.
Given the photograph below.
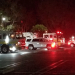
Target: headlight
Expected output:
[18,43]
[13,48]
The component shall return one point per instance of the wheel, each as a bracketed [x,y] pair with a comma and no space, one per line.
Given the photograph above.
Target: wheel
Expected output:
[72,45]
[30,47]
[4,49]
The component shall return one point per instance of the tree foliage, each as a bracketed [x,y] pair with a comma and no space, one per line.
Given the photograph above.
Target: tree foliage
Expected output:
[39,27]
[17,11]
[7,28]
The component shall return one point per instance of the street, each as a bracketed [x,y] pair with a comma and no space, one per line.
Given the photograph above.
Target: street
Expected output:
[39,62]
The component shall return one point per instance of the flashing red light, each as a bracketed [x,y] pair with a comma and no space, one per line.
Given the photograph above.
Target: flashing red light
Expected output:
[57,32]
[60,32]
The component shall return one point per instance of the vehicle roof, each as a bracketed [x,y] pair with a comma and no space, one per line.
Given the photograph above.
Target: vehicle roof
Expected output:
[36,38]
[49,33]
[39,38]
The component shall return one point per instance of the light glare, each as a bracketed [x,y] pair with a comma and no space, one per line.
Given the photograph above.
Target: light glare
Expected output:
[7,40]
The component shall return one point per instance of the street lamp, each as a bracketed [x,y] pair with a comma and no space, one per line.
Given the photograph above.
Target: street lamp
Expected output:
[3,19]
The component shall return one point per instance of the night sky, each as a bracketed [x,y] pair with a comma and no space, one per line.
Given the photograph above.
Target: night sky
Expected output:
[55,14]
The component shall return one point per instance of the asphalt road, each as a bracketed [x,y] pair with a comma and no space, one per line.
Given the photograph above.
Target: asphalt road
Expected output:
[39,62]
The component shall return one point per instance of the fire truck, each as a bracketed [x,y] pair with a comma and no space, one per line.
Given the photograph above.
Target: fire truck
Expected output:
[71,41]
[10,41]
[29,35]
[56,37]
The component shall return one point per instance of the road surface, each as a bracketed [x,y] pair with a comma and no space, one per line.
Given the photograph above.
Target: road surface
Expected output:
[39,62]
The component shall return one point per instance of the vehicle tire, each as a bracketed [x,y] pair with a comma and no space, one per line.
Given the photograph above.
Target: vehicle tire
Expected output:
[30,47]
[4,49]
[72,45]
[48,47]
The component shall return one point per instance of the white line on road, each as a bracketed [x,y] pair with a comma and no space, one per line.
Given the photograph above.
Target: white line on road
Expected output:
[11,65]
[52,66]
[9,68]
[55,66]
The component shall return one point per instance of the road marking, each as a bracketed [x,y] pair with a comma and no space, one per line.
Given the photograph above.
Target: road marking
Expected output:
[12,65]
[9,68]
[52,66]
[58,65]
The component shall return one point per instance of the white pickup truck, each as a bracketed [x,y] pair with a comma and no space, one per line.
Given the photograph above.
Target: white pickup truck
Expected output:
[35,43]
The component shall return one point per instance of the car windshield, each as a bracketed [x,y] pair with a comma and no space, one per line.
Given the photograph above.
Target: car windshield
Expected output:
[28,40]
[36,40]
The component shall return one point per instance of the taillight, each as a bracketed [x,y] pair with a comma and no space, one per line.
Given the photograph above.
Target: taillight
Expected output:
[53,45]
